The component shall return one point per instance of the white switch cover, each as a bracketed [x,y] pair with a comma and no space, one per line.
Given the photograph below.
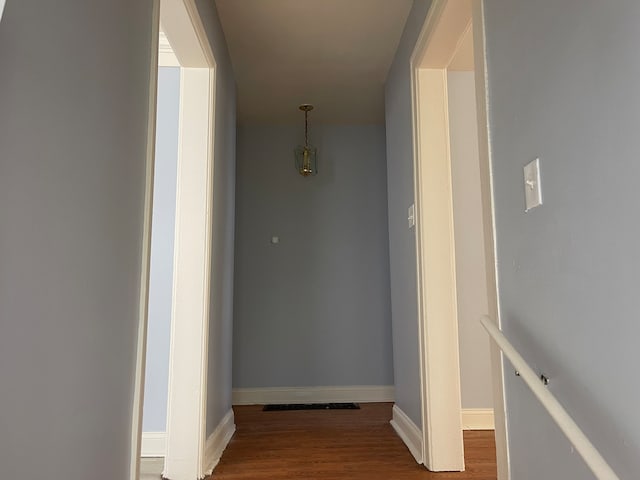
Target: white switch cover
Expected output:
[532,187]
[411,215]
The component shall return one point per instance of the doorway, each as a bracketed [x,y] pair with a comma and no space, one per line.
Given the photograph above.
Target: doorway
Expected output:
[181,447]
[455,246]
[156,390]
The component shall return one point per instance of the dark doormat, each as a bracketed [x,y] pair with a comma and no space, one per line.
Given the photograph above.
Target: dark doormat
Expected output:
[278,407]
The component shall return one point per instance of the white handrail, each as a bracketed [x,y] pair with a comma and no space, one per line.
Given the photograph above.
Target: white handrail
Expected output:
[581,443]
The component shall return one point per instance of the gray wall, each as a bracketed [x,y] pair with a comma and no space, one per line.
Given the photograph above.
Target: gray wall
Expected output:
[156,379]
[221,314]
[402,245]
[471,278]
[73,129]
[569,270]
[314,309]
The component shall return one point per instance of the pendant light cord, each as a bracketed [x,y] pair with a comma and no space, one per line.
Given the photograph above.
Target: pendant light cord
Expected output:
[306,127]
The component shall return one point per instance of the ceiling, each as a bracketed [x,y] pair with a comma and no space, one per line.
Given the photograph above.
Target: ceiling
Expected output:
[334,54]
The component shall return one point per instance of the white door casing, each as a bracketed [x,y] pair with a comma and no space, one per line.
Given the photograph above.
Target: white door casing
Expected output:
[188,358]
[446,23]
[486,186]
[186,409]
[143,299]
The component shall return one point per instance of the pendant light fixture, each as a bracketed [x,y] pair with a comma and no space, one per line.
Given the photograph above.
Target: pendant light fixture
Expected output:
[306,155]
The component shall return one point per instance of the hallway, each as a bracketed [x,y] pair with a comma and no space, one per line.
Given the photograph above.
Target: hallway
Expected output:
[333,445]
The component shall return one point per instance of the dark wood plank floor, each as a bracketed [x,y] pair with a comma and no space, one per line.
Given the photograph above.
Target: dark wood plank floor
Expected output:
[335,445]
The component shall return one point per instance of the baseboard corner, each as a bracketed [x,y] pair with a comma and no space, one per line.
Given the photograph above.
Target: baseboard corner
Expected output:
[218,441]
[408,431]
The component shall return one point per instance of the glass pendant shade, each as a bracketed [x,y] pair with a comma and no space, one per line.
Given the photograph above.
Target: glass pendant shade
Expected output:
[306,160]
[306,156]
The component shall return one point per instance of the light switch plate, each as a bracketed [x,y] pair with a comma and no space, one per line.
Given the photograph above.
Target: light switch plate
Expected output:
[411,215]
[532,186]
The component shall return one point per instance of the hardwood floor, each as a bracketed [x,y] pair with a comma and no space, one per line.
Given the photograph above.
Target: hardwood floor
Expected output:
[335,445]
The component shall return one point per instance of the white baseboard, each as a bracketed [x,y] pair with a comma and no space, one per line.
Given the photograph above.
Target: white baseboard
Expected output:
[154,444]
[356,393]
[218,441]
[408,432]
[478,419]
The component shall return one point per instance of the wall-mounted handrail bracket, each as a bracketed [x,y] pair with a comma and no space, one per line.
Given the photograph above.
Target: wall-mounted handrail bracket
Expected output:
[537,384]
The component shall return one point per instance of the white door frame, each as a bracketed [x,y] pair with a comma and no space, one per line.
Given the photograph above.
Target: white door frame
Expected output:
[442,440]
[143,301]
[186,406]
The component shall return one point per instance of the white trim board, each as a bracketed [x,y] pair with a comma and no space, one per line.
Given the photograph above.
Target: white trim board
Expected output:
[408,432]
[411,435]
[186,410]
[154,444]
[478,419]
[188,357]
[143,293]
[491,254]
[440,37]
[356,393]
[437,296]
[218,441]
